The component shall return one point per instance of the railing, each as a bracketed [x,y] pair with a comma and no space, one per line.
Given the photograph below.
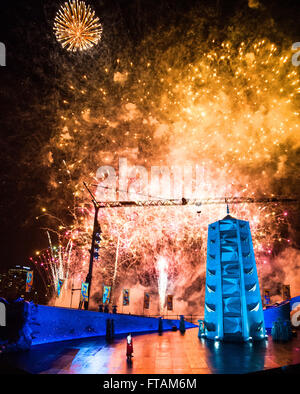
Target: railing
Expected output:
[189,318]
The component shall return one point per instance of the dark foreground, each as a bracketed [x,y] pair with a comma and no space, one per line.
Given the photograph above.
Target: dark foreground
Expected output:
[169,353]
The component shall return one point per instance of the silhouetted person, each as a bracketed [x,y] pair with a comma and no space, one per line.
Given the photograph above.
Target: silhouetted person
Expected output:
[108,329]
[160,325]
[182,324]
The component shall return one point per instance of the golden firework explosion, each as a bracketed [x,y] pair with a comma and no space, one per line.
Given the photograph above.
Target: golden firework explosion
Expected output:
[76,26]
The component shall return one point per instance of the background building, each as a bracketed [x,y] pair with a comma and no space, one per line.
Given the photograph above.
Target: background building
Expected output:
[13,282]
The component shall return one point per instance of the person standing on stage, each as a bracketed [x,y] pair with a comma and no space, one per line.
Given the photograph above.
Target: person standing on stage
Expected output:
[129,347]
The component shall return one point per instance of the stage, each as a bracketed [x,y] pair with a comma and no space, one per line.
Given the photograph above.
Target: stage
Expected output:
[169,353]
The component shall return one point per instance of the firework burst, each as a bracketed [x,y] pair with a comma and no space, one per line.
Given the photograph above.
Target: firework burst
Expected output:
[76,27]
[229,110]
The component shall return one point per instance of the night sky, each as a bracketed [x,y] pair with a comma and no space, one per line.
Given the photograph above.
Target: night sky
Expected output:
[29,86]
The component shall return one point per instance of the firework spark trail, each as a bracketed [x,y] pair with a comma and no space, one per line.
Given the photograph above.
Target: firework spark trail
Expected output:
[232,112]
[52,266]
[115,268]
[59,264]
[162,268]
[69,255]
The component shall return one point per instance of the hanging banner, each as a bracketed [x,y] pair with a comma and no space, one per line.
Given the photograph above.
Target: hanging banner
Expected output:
[267,299]
[146,300]
[125,297]
[106,295]
[29,281]
[169,302]
[59,286]
[286,292]
[84,294]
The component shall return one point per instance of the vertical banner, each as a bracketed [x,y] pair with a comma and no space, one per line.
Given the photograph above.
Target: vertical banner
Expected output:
[29,281]
[106,294]
[59,286]
[146,300]
[169,302]
[84,294]
[286,292]
[267,299]
[126,297]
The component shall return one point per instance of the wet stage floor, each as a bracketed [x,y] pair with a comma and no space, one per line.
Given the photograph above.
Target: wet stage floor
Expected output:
[169,353]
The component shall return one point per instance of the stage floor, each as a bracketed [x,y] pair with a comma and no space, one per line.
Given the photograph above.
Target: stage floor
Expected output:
[169,353]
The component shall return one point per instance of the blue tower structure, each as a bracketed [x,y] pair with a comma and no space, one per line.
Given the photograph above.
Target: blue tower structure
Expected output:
[233,307]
